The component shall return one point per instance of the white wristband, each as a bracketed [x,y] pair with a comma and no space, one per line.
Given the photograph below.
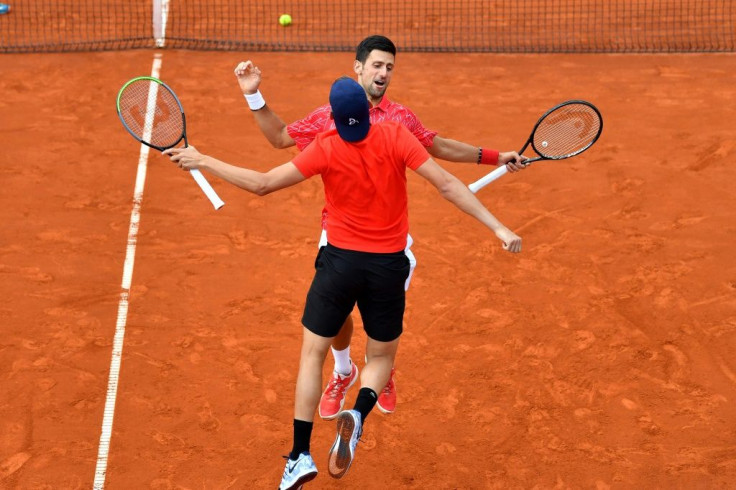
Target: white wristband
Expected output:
[255,101]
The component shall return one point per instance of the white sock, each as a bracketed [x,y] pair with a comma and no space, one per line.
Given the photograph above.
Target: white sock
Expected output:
[342,360]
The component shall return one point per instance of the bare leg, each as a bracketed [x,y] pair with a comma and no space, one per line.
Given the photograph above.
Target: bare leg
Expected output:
[380,359]
[309,380]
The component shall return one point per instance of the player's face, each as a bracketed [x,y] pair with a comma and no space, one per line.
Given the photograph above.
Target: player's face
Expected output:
[375,74]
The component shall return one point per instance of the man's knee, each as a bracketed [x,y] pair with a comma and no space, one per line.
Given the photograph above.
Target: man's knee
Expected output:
[315,345]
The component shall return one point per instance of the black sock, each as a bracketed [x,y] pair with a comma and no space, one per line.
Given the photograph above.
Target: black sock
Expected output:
[302,436]
[365,402]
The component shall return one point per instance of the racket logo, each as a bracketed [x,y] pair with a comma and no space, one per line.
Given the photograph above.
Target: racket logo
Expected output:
[583,122]
[138,113]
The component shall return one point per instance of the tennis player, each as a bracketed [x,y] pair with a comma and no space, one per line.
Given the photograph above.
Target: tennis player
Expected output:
[363,168]
[373,66]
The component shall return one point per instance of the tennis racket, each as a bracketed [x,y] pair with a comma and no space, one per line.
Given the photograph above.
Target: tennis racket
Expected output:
[152,113]
[564,131]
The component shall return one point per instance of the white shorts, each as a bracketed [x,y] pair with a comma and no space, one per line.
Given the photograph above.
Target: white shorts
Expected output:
[407,251]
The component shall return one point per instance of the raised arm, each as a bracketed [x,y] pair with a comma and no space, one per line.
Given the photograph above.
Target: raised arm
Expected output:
[252,181]
[272,126]
[452,189]
[457,151]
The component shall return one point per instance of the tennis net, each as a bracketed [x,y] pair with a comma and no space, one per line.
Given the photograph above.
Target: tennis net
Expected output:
[505,26]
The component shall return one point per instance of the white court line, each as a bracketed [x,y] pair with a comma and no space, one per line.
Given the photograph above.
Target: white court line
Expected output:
[117,347]
[160,18]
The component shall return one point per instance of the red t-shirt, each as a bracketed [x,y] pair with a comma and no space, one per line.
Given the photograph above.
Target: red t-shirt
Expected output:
[305,130]
[366,205]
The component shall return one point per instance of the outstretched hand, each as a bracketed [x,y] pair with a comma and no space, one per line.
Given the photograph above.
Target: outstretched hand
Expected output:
[185,158]
[249,77]
[511,241]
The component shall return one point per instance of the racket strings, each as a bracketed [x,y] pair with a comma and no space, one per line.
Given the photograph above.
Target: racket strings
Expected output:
[567,131]
[159,124]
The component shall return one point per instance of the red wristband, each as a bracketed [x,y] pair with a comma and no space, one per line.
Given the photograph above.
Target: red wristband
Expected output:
[488,157]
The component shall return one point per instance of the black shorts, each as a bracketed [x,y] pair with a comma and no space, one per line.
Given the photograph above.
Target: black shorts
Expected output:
[373,281]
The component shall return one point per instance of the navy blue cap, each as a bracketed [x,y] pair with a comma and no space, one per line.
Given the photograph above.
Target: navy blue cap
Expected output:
[350,109]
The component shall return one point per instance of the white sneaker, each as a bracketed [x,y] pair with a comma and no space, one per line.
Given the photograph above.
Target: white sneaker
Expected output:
[298,472]
[349,429]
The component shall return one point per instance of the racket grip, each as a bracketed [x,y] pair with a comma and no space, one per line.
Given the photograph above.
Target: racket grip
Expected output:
[207,188]
[487,179]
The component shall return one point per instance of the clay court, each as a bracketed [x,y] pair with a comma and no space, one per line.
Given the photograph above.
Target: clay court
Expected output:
[601,357]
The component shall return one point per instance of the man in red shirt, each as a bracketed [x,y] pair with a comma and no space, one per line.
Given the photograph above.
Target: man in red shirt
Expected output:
[374,65]
[363,168]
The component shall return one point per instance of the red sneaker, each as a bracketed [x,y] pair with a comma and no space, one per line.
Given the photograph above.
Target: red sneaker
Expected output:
[387,398]
[333,397]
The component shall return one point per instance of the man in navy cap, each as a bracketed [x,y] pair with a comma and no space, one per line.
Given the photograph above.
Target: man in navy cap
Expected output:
[363,168]
[374,66]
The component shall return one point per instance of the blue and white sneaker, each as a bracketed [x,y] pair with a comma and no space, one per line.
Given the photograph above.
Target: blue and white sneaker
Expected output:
[298,472]
[349,429]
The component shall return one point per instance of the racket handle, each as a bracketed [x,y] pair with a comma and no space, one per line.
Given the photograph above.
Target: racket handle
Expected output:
[207,188]
[487,179]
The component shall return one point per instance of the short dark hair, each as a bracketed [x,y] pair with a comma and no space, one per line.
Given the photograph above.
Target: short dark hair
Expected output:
[370,43]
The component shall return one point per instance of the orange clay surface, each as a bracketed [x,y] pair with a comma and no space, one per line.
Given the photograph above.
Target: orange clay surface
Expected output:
[603,356]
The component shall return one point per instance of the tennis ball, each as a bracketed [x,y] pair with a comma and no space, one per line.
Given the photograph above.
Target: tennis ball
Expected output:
[544,144]
[285,20]
[4,8]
